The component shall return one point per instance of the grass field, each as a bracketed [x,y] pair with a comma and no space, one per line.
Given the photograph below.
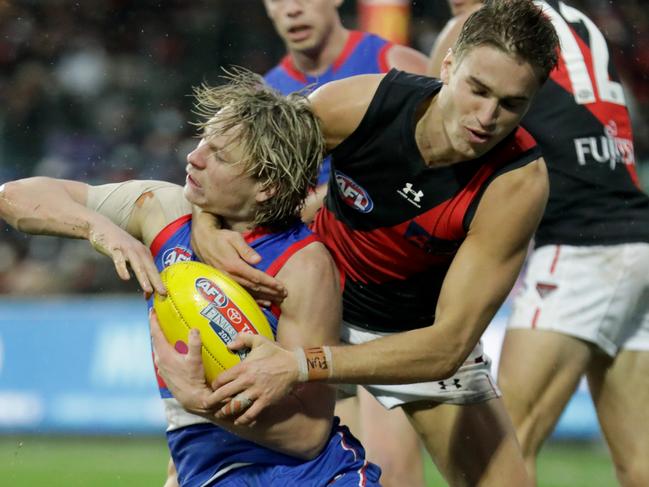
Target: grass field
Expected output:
[139,462]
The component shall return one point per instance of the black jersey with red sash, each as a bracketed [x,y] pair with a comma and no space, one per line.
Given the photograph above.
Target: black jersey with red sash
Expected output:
[392,223]
[580,120]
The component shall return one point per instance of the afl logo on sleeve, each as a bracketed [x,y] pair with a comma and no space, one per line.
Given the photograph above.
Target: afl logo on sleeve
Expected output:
[353,194]
[176,254]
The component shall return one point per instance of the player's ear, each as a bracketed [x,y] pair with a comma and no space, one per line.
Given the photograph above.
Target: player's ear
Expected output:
[447,65]
[265,194]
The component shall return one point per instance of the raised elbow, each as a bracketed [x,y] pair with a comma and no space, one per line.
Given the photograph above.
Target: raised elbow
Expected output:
[453,366]
[450,360]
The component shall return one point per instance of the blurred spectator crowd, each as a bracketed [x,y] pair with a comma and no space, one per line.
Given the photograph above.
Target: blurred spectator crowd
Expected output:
[99,91]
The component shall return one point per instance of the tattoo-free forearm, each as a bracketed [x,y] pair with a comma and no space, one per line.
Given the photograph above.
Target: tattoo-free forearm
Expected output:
[46,206]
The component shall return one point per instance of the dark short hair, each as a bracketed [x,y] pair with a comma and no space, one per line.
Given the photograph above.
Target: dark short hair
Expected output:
[516,27]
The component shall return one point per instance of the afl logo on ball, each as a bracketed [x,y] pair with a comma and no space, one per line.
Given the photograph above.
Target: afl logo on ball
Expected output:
[211,292]
[353,194]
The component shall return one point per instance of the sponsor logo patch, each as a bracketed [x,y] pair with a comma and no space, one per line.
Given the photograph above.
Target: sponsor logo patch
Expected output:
[447,385]
[611,148]
[353,194]
[413,196]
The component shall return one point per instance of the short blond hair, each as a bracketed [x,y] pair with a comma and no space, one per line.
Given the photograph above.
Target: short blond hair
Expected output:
[280,137]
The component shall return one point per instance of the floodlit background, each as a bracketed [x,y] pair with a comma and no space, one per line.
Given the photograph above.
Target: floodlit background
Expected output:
[99,91]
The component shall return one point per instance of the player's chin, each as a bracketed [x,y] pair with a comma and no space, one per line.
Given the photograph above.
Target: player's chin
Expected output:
[468,151]
[473,151]
[306,46]
[192,195]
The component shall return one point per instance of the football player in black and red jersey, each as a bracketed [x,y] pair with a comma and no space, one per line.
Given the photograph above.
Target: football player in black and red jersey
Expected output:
[583,307]
[434,194]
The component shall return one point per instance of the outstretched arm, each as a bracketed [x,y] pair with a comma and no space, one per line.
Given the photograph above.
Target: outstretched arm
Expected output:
[481,275]
[48,206]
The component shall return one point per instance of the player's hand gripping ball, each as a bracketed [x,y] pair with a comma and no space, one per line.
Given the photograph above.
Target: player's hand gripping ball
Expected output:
[199,296]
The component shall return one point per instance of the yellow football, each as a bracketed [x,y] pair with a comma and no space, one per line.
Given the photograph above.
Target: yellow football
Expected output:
[199,296]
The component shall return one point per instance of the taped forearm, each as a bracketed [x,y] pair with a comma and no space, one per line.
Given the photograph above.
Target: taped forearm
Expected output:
[117,201]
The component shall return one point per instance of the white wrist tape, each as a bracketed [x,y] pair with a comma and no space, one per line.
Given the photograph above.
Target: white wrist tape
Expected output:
[302,368]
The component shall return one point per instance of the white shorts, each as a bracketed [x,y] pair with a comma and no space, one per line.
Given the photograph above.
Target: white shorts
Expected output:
[471,384]
[599,294]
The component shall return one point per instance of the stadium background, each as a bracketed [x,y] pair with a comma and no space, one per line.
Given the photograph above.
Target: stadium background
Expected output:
[98,91]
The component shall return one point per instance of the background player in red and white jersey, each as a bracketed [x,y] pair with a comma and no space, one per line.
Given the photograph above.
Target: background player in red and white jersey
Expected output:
[425,171]
[583,309]
[245,169]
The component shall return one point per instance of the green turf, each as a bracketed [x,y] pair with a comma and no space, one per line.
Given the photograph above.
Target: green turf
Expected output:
[133,461]
[97,462]
[562,465]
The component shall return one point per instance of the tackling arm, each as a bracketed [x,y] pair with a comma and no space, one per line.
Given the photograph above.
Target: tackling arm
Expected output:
[481,275]
[479,279]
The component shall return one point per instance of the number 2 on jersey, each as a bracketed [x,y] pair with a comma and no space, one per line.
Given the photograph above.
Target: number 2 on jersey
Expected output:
[582,84]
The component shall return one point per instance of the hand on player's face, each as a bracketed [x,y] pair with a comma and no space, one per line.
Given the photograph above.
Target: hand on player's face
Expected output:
[126,251]
[268,373]
[228,251]
[183,374]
